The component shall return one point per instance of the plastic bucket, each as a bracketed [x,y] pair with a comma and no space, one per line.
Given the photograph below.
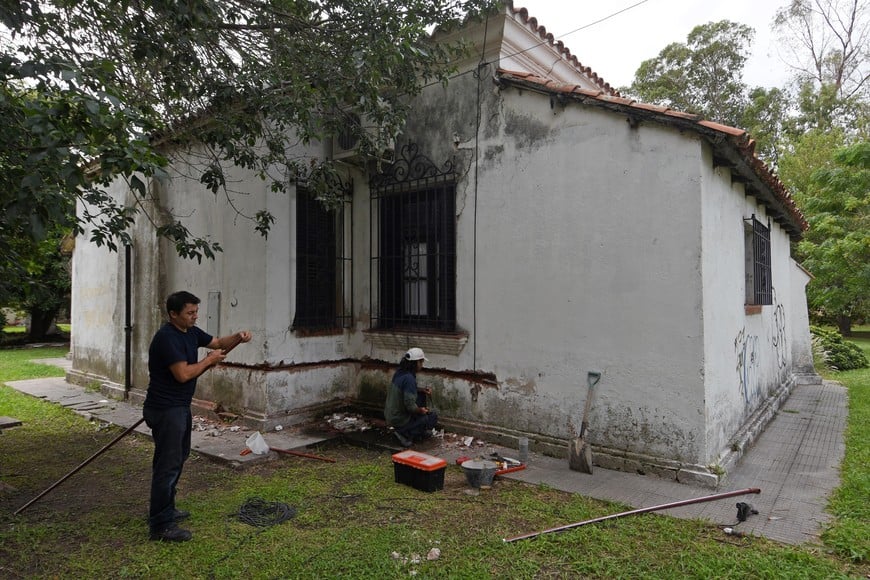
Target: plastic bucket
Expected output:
[479,473]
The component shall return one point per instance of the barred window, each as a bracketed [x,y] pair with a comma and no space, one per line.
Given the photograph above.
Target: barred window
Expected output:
[414,247]
[759,289]
[323,271]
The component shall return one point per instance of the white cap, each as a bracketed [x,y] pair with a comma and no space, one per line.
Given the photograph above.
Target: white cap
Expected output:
[415,354]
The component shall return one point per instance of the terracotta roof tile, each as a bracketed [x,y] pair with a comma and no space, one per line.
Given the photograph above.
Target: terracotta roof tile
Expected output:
[682,115]
[560,47]
[648,107]
[617,100]
[723,128]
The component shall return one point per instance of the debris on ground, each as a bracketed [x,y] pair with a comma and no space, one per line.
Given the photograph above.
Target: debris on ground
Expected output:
[346,422]
[215,428]
[414,559]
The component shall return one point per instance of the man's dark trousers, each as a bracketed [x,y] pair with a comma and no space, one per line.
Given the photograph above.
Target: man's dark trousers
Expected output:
[170,428]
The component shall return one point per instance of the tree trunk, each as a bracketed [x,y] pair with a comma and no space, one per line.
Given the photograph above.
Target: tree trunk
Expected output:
[844,324]
[41,321]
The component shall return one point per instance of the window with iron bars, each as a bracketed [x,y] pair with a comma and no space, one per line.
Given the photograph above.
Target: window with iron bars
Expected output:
[759,288]
[323,265]
[414,251]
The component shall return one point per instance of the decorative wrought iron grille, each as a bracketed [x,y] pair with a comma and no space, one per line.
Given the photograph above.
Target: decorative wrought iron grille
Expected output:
[759,288]
[324,261]
[413,264]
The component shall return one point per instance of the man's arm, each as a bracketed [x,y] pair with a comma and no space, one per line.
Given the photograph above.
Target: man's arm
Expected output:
[184,371]
[409,397]
[224,342]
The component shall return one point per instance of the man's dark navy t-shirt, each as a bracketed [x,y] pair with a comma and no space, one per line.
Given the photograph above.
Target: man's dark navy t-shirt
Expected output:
[168,347]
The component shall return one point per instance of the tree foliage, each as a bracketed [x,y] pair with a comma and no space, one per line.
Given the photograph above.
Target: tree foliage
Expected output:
[705,76]
[827,43]
[702,76]
[836,248]
[37,279]
[92,89]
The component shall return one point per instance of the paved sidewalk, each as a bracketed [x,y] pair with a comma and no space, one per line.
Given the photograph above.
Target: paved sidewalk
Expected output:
[795,462]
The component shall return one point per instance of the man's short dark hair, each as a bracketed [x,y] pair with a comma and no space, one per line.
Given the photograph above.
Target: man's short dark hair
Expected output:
[176,301]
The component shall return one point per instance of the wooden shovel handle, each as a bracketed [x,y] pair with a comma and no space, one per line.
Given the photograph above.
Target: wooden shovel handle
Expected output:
[585,422]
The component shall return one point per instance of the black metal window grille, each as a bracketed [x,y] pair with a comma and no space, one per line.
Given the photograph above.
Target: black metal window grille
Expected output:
[759,288]
[323,265]
[413,265]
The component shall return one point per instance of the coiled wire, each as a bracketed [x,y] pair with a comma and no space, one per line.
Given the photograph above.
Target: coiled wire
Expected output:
[260,513]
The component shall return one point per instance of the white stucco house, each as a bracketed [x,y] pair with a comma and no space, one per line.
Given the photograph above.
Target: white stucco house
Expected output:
[535,226]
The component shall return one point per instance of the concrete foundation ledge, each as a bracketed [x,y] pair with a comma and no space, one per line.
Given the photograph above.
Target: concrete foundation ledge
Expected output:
[88,380]
[660,467]
[263,422]
[605,458]
[807,379]
[754,426]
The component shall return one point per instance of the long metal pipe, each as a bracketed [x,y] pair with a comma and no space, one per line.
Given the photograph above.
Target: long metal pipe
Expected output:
[654,508]
[301,454]
[234,342]
[82,464]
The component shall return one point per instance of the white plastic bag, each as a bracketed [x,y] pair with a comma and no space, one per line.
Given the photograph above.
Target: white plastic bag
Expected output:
[257,444]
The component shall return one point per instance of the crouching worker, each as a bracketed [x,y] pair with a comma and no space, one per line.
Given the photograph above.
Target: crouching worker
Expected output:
[406,408]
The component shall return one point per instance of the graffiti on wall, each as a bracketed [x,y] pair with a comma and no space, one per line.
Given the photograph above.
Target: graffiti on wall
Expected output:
[778,335]
[746,348]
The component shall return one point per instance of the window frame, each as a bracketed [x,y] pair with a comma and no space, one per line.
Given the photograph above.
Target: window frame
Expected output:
[413,251]
[758,262]
[323,305]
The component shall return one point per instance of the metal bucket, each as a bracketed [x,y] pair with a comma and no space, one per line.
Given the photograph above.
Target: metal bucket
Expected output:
[479,473]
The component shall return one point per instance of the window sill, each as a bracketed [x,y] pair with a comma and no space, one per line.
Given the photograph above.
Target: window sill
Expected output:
[751,309]
[305,332]
[400,341]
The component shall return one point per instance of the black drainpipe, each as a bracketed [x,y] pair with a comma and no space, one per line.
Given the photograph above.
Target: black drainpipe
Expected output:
[128,328]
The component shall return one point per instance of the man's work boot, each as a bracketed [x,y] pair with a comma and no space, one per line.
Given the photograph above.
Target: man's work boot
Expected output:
[402,439]
[179,515]
[171,534]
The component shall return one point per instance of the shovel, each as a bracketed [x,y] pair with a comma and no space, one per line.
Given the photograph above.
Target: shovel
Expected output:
[579,451]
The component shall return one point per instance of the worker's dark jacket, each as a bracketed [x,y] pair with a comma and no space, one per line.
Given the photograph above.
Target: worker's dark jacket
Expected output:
[401,399]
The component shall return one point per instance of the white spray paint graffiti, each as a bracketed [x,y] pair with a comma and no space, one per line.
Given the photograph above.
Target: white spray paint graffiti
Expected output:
[746,346]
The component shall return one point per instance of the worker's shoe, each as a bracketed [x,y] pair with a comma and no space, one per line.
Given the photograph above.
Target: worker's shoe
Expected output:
[171,534]
[405,442]
[179,515]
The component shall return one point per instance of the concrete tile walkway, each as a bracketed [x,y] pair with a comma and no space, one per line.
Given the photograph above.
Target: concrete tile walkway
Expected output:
[795,462]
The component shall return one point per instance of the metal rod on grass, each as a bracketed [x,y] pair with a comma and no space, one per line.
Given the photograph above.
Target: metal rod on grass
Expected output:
[85,462]
[301,454]
[234,342]
[654,508]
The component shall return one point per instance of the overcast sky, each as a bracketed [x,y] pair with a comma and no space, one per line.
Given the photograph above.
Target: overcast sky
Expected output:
[615,47]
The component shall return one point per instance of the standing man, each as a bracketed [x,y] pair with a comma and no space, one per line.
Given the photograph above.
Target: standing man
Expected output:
[405,408]
[173,367]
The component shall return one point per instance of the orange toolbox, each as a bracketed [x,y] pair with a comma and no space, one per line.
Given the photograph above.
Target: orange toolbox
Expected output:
[419,470]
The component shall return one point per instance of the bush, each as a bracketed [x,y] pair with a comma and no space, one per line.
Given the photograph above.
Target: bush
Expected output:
[838,354]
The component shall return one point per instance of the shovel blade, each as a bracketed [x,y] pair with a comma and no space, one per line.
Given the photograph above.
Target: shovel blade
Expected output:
[580,456]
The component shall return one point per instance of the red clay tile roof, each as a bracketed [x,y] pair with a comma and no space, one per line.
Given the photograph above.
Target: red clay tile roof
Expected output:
[560,47]
[732,147]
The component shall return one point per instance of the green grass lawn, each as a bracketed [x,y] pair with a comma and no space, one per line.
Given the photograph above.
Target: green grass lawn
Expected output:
[23,329]
[352,521]
[850,504]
